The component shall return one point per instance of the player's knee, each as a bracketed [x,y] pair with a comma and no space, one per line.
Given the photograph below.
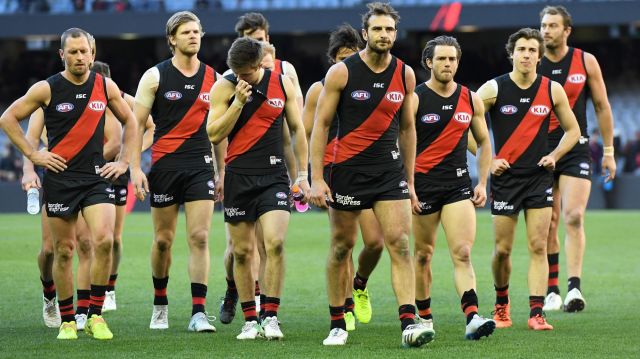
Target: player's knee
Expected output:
[164,240]
[424,255]
[274,248]
[502,253]
[374,246]
[242,255]
[399,245]
[64,251]
[199,239]
[84,246]
[574,218]
[538,246]
[341,251]
[103,244]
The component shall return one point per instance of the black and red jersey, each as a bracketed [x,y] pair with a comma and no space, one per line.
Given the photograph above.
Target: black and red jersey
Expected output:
[442,124]
[368,117]
[180,112]
[74,120]
[520,123]
[255,142]
[571,73]
[278,66]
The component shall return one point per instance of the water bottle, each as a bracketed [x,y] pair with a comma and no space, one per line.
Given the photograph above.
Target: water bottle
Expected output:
[297,195]
[33,201]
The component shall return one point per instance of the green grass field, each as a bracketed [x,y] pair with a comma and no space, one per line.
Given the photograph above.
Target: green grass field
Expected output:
[607,328]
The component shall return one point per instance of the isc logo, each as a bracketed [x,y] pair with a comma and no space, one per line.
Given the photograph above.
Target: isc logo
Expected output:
[539,110]
[430,118]
[462,117]
[508,109]
[97,106]
[204,96]
[172,95]
[189,87]
[276,102]
[577,78]
[360,95]
[64,107]
[395,96]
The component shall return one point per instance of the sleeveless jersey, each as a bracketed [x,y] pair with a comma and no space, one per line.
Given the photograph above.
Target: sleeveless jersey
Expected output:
[255,142]
[520,123]
[368,117]
[278,66]
[74,120]
[571,73]
[180,112]
[442,125]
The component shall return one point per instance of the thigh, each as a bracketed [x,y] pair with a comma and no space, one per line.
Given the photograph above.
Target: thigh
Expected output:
[574,193]
[274,225]
[425,229]
[394,217]
[344,225]
[198,214]
[370,228]
[459,223]
[100,218]
[165,219]
[538,222]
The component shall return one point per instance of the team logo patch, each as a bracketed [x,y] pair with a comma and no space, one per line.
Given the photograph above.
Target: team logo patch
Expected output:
[549,190]
[430,118]
[123,191]
[172,95]
[211,184]
[540,110]
[360,95]
[204,96]
[577,78]
[402,184]
[584,166]
[64,107]
[508,109]
[462,117]
[275,102]
[395,96]
[281,195]
[97,106]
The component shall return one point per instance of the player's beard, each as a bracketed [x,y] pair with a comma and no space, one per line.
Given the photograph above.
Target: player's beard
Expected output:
[373,46]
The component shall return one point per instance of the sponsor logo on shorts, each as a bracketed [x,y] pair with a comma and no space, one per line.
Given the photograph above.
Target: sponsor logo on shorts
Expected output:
[583,140]
[424,205]
[97,106]
[64,107]
[207,159]
[274,160]
[204,97]
[110,190]
[112,196]
[360,95]
[281,195]
[57,207]
[275,102]
[584,166]
[430,118]
[346,200]
[577,78]
[584,173]
[234,212]
[162,198]
[462,117]
[502,205]
[283,203]
[97,168]
[211,184]
[549,198]
[212,192]
[460,172]
[123,199]
[172,95]
[508,109]
[395,154]
[123,191]
[395,96]
[402,184]
[540,110]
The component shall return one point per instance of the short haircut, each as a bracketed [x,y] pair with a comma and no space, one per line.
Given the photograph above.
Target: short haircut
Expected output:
[251,21]
[558,10]
[269,49]
[345,36]
[102,68]
[177,19]
[74,32]
[379,9]
[430,48]
[526,33]
[244,52]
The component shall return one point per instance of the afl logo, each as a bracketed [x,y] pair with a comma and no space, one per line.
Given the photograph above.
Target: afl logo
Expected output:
[577,78]
[508,109]
[97,106]
[430,118]
[172,95]
[204,96]
[539,110]
[462,117]
[281,195]
[360,95]
[276,102]
[211,184]
[64,107]
[395,96]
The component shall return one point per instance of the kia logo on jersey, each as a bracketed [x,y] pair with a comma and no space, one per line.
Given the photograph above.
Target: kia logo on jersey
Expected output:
[508,109]
[360,95]
[539,110]
[430,118]
[395,96]
[172,95]
[275,102]
[577,78]
[64,107]
[204,96]
[97,106]
[462,117]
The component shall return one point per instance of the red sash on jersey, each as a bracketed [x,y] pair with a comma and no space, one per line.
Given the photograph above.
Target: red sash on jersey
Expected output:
[529,126]
[573,84]
[374,126]
[259,122]
[86,125]
[278,67]
[450,136]
[189,124]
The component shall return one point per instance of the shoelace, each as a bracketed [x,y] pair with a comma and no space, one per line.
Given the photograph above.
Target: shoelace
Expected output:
[501,312]
[210,318]
[50,308]
[335,332]
[274,324]
[248,326]
[540,318]
[159,315]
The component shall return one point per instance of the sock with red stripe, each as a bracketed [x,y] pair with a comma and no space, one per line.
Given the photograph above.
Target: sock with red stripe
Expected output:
[231,286]
[407,313]
[424,308]
[535,303]
[271,307]
[66,309]
[263,303]
[96,299]
[469,304]
[360,282]
[337,317]
[112,282]
[48,289]
[502,294]
[554,268]
[348,305]
[198,297]
[83,301]
[249,311]
[160,291]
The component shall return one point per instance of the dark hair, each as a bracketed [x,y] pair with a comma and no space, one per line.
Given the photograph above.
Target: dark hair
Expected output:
[177,19]
[379,8]
[251,21]
[343,36]
[102,68]
[526,33]
[244,51]
[75,32]
[430,48]
[558,10]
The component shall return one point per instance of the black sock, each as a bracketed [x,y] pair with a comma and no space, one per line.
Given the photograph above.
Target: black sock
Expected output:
[96,299]
[48,289]
[424,308]
[552,284]
[66,309]
[535,304]
[502,295]
[231,287]
[160,291]
[249,311]
[360,282]
[83,301]
[263,302]
[407,314]
[337,317]
[574,282]
[198,297]
[348,305]
[112,282]
[469,304]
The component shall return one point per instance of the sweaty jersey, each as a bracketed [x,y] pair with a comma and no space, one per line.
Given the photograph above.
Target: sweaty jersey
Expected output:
[368,117]
[180,113]
[74,120]
[571,73]
[255,142]
[442,124]
[520,123]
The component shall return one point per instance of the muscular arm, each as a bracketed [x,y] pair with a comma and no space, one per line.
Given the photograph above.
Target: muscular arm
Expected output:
[123,113]
[34,131]
[488,93]
[567,120]
[145,96]
[309,111]
[222,116]
[407,136]
[300,148]
[481,136]
[149,127]
[113,135]
[291,73]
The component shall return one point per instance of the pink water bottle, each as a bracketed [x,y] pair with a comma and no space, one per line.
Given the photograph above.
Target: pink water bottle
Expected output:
[298,195]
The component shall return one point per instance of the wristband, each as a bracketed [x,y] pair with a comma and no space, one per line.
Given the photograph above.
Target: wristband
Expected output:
[302,176]
[608,151]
